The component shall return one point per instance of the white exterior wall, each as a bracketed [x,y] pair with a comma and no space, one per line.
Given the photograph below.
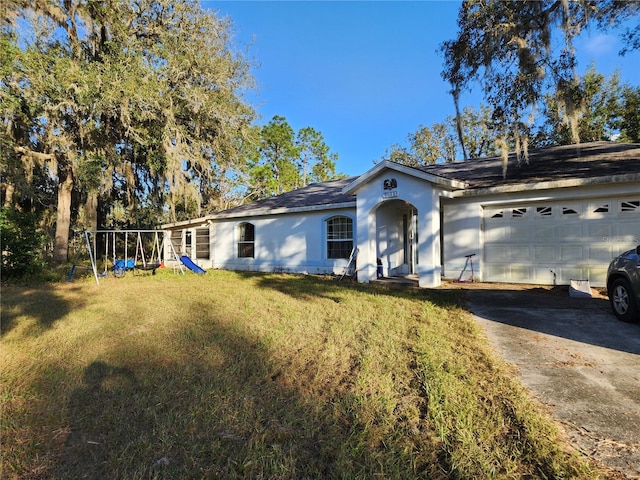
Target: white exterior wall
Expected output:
[429,267]
[462,236]
[295,243]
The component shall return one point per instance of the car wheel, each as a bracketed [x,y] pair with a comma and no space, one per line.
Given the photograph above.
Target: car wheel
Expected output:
[622,301]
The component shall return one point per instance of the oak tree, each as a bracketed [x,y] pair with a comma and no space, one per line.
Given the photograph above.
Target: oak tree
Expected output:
[135,103]
[508,47]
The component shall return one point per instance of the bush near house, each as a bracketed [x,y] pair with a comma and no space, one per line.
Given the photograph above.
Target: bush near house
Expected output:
[22,244]
[244,375]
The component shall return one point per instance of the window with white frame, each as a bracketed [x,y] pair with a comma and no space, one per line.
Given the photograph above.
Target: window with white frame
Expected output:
[246,240]
[339,237]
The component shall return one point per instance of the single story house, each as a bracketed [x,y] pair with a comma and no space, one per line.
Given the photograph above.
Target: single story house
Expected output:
[562,215]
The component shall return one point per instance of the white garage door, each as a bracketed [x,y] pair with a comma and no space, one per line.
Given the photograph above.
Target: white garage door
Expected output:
[567,240]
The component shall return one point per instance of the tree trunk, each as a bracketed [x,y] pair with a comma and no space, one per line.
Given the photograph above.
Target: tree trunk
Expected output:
[172,207]
[8,194]
[456,101]
[63,219]
[91,211]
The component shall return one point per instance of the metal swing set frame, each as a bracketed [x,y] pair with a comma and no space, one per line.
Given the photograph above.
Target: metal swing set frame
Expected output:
[121,265]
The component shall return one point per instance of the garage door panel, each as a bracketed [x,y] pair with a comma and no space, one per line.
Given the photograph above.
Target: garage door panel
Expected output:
[544,253]
[520,273]
[506,253]
[520,232]
[628,231]
[629,205]
[571,231]
[571,253]
[518,253]
[497,273]
[497,234]
[597,275]
[544,232]
[597,230]
[510,273]
[568,273]
[497,253]
[543,275]
[601,252]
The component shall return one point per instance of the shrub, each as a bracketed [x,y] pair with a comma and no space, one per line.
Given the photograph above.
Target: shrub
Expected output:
[22,244]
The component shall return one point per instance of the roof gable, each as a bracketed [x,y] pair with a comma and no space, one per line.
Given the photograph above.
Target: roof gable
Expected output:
[363,179]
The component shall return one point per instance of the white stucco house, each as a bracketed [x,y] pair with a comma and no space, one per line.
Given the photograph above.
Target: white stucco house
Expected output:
[563,215]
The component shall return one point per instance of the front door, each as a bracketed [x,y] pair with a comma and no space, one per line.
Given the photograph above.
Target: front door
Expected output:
[410,235]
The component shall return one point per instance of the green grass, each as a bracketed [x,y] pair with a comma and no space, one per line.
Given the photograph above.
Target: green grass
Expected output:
[239,375]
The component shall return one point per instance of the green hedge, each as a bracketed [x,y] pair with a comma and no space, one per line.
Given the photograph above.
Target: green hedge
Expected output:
[22,244]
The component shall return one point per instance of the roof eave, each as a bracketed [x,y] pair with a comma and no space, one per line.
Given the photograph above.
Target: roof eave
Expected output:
[261,212]
[548,185]
[186,223]
[281,210]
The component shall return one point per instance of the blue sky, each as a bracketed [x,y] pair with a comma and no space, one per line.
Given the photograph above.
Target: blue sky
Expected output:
[365,73]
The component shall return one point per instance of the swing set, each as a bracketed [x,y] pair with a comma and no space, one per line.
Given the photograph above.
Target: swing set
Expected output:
[124,250]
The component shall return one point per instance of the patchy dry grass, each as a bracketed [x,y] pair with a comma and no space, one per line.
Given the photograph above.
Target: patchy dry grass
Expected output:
[233,375]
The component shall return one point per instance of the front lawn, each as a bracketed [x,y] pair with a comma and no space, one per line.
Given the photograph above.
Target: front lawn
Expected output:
[240,375]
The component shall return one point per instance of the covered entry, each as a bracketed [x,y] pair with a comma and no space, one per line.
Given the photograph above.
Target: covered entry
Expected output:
[398,222]
[397,238]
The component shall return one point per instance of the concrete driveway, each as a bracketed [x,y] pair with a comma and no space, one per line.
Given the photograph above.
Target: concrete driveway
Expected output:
[577,359]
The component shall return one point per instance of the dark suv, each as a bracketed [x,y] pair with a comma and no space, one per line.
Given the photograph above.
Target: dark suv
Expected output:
[623,285]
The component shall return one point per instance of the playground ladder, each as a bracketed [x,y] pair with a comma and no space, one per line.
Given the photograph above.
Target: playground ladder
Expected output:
[175,255]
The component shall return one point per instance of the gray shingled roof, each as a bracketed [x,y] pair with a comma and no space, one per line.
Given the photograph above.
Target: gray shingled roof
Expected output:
[314,195]
[588,160]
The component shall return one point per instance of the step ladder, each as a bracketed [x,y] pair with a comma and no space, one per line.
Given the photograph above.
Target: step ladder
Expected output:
[350,270]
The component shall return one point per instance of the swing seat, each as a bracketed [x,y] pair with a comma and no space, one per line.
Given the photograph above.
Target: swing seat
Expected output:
[121,266]
[149,267]
[124,264]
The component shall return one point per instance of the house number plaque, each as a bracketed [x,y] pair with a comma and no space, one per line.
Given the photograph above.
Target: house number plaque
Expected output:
[390,184]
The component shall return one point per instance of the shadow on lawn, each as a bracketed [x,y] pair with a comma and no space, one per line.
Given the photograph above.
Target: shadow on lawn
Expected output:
[579,319]
[329,287]
[100,416]
[43,303]
[211,404]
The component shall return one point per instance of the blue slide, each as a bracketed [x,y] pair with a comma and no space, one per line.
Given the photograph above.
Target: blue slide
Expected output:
[190,265]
